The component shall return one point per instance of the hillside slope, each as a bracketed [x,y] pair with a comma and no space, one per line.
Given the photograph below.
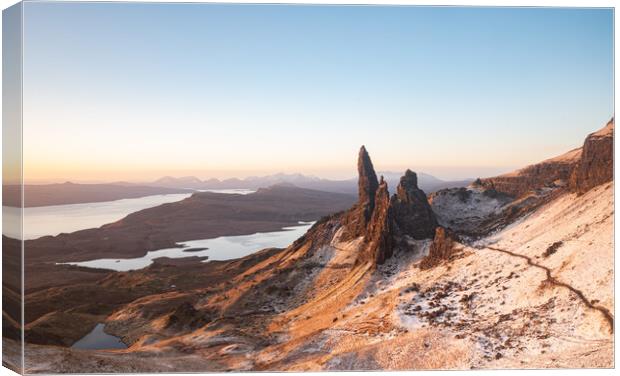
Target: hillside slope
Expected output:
[485,309]
[393,283]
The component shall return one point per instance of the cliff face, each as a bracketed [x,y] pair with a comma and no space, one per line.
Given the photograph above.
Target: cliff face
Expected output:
[550,173]
[380,234]
[580,169]
[596,163]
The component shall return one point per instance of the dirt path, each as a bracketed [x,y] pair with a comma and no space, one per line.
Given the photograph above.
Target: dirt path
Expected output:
[604,311]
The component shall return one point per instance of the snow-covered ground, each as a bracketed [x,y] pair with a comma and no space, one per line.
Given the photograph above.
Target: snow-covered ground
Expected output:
[466,208]
[493,309]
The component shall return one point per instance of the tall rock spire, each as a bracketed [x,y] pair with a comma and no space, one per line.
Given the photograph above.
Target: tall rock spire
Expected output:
[367,183]
[382,220]
[357,219]
[379,234]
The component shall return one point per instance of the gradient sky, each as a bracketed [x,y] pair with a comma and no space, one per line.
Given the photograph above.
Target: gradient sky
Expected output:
[121,91]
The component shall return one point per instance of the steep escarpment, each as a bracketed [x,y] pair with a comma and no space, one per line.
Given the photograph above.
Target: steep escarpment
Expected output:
[581,169]
[550,173]
[492,203]
[596,165]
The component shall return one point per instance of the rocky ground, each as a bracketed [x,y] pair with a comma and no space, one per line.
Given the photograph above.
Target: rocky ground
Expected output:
[391,284]
[484,309]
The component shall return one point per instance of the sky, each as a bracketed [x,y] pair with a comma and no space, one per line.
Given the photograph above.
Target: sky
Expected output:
[135,91]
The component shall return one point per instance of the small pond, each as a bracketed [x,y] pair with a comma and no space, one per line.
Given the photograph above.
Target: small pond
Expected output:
[97,339]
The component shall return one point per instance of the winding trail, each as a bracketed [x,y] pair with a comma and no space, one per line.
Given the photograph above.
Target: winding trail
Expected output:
[604,311]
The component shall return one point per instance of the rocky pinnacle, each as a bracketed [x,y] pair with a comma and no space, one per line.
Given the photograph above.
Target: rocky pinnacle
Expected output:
[367,183]
[382,219]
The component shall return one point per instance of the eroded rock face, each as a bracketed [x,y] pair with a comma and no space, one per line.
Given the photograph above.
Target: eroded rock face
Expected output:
[580,169]
[596,163]
[357,219]
[381,219]
[442,249]
[546,174]
[186,316]
[380,234]
[412,212]
[367,183]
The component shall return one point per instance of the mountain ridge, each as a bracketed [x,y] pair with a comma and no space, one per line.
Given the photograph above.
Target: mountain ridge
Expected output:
[427,182]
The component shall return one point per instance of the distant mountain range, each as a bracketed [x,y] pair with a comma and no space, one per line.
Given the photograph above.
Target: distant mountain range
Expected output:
[74,193]
[426,182]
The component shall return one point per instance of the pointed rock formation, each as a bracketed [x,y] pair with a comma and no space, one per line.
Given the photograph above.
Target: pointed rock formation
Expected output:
[367,183]
[381,220]
[359,216]
[596,165]
[379,235]
[442,249]
[412,212]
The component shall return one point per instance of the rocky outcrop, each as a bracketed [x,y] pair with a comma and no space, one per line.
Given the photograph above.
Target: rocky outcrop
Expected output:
[550,173]
[358,217]
[492,203]
[382,219]
[379,237]
[580,169]
[367,183]
[596,165]
[412,212]
[442,249]
[185,316]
